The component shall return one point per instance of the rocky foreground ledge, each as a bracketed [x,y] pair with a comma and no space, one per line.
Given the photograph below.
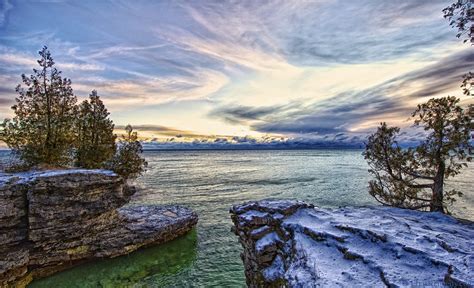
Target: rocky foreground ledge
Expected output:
[52,220]
[294,244]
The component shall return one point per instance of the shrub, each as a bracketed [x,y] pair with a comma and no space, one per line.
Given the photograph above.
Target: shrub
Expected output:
[127,161]
[95,142]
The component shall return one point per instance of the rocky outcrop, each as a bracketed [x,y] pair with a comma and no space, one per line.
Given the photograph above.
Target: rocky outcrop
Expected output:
[293,244]
[52,220]
[13,232]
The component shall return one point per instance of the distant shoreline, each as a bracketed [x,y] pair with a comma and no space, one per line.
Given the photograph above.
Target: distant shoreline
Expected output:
[252,149]
[238,149]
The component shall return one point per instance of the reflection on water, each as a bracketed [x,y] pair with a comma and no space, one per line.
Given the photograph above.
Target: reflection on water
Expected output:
[210,182]
[151,267]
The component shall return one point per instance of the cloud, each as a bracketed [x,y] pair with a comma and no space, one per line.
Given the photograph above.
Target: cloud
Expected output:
[243,143]
[122,50]
[135,90]
[5,101]
[242,114]
[5,6]
[438,78]
[260,35]
[14,60]
[349,111]
[159,130]
[325,119]
[325,70]
[371,31]
[340,140]
[123,94]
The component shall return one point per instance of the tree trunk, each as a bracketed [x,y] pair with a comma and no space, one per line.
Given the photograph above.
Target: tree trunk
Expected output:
[437,198]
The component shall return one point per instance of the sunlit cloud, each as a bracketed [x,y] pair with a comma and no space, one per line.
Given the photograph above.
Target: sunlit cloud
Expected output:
[305,72]
[16,60]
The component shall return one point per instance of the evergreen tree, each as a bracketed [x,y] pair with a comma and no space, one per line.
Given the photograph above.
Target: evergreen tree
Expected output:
[127,161]
[95,142]
[402,176]
[41,131]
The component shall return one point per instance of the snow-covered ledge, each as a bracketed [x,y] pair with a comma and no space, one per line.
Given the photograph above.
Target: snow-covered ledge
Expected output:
[293,244]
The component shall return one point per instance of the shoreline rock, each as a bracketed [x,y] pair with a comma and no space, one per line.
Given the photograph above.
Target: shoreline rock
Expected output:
[53,220]
[293,244]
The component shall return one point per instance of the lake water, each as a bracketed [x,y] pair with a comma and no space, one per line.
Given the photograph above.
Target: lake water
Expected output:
[210,182]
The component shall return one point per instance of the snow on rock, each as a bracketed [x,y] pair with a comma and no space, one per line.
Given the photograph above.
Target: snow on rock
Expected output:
[268,241]
[297,245]
[275,271]
[75,173]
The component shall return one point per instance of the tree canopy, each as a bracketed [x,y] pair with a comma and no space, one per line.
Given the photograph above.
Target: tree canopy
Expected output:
[461,16]
[50,129]
[41,132]
[414,177]
[95,142]
[127,162]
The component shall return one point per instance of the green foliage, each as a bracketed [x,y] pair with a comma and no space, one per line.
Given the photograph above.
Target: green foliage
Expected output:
[467,85]
[414,177]
[50,130]
[95,143]
[127,161]
[461,16]
[42,128]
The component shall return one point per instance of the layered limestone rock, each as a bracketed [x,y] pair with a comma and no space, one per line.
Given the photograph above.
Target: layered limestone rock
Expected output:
[14,250]
[52,220]
[293,244]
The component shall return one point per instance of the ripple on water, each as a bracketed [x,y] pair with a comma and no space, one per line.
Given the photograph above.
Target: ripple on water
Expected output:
[210,182]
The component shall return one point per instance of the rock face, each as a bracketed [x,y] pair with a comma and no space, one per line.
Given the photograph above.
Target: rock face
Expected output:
[293,244]
[52,220]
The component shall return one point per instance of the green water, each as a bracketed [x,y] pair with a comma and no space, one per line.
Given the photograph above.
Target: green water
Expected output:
[157,266]
[209,182]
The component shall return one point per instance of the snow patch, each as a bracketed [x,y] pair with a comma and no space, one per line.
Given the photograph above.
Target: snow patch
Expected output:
[276,270]
[372,246]
[269,240]
[353,246]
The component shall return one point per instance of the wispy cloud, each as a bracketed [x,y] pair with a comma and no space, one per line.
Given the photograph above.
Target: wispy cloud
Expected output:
[246,114]
[5,6]
[350,111]
[322,70]
[15,60]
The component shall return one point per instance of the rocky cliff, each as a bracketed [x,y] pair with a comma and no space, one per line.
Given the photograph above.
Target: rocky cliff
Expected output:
[52,220]
[293,244]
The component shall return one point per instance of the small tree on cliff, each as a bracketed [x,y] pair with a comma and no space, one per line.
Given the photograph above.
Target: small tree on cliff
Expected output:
[95,143]
[127,161]
[41,131]
[414,178]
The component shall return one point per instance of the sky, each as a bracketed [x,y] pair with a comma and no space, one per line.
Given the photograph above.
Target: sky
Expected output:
[242,73]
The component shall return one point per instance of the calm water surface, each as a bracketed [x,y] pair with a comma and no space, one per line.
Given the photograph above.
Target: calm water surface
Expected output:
[210,182]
